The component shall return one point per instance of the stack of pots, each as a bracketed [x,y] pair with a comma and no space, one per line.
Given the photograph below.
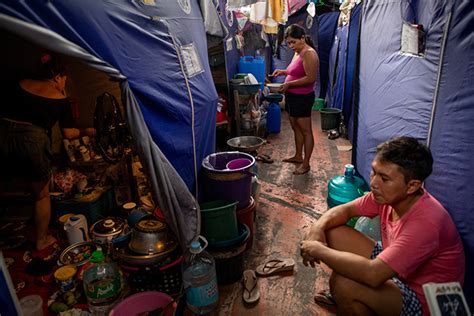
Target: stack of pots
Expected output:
[227,211]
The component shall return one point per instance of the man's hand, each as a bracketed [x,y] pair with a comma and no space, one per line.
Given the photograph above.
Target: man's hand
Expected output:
[309,251]
[317,233]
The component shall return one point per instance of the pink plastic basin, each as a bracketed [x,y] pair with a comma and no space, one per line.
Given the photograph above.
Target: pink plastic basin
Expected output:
[238,163]
[143,302]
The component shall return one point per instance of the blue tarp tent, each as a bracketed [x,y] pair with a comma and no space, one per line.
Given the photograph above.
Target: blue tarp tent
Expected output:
[429,97]
[157,50]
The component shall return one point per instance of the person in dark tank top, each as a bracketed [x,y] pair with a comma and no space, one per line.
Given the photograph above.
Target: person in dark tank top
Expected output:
[31,110]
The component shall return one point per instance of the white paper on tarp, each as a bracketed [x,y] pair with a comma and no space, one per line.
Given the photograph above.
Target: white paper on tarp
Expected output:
[192,63]
[212,23]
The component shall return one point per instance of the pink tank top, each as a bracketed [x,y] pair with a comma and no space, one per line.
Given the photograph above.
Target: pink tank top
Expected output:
[295,71]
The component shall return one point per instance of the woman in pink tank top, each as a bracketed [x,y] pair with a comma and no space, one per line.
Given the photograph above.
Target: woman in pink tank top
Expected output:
[299,93]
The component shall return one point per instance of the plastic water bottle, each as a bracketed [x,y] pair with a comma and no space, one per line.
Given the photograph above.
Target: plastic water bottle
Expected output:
[102,284]
[343,189]
[199,279]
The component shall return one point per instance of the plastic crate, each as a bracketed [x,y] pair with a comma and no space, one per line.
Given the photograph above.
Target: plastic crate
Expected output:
[94,209]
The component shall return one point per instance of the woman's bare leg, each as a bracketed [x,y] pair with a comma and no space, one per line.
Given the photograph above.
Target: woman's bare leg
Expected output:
[306,129]
[299,140]
[42,214]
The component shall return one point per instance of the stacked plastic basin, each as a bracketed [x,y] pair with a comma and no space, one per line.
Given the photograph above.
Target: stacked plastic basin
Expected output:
[255,66]
[227,211]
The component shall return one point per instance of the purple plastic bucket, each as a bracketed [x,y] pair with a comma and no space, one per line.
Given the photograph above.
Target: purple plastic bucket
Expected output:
[222,183]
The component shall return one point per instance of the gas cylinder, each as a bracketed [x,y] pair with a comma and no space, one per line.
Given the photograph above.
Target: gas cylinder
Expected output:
[345,188]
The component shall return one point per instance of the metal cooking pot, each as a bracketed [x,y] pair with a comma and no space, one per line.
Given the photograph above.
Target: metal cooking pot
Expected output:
[149,236]
[246,143]
[108,230]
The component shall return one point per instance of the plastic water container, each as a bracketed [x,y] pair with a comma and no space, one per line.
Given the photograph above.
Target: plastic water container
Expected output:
[273,118]
[32,305]
[255,66]
[102,284]
[345,188]
[199,279]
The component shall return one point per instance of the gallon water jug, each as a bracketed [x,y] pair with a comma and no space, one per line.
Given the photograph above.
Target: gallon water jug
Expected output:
[102,284]
[273,118]
[76,229]
[199,279]
[255,66]
[343,189]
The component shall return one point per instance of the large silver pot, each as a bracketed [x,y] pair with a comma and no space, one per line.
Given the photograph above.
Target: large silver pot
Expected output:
[149,236]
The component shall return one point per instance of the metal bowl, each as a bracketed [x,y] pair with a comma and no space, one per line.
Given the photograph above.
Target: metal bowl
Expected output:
[133,258]
[78,253]
[246,143]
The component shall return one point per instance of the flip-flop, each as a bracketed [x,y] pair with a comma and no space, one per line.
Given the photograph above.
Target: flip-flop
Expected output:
[251,292]
[325,299]
[264,158]
[274,266]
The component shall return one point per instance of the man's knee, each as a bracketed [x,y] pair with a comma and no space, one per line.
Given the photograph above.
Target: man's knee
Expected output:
[335,234]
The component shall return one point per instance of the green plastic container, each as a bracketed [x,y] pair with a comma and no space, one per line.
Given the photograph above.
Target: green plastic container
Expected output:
[330,118]
[219,220]
[318,104]
[343,189]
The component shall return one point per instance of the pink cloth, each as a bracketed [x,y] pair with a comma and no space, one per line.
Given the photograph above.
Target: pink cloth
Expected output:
[295,71]
[422,246]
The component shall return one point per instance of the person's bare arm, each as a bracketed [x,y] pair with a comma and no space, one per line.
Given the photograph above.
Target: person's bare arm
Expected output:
[334,217]
[372,272]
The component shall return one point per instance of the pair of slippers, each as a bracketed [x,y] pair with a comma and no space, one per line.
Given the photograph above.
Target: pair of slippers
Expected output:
[251,293]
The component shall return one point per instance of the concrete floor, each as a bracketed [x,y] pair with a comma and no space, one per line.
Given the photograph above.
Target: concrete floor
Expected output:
[287,206]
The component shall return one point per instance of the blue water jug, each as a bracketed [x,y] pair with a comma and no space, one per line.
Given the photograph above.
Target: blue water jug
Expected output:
[273,118]
[343,189]
[255,66]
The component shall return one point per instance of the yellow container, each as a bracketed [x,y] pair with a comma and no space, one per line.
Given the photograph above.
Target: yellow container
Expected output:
[65,277]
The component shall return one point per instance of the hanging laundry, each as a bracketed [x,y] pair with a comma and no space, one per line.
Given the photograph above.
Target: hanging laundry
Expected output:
[269,14]
[345,15]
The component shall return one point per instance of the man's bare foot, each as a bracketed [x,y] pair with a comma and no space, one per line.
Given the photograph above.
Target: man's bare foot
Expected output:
[293,159]
[302,170]
[45,242]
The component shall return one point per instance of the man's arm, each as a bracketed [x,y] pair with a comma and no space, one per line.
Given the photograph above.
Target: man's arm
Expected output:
[334,217]
[372,272]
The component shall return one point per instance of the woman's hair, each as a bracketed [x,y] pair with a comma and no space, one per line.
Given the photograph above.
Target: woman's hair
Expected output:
[50,67]
[413,158]
[296,31]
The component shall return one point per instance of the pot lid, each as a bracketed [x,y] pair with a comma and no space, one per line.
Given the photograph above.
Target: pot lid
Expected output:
[109,226]
[150,226]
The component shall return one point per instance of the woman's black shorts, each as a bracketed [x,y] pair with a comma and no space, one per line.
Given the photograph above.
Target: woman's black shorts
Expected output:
[25,152]
[299,105]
